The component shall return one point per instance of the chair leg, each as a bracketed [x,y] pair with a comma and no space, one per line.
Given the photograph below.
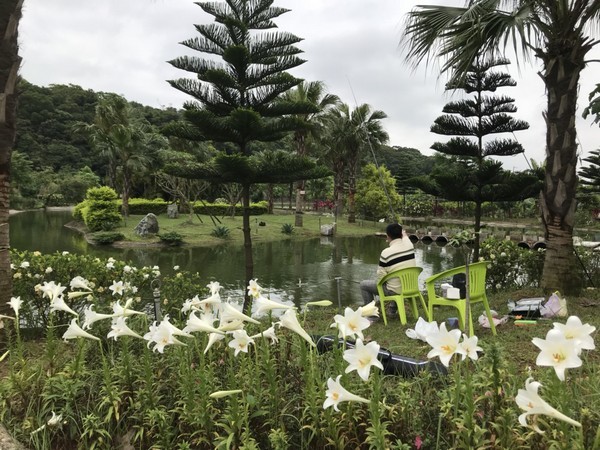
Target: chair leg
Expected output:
[401,311]
[382,310]
[489,316]
[425,310]
[413,305]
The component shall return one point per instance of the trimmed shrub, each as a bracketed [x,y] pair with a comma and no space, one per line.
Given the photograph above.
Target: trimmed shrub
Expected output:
[171,238]
[223,209]
[143,206]
[102,213]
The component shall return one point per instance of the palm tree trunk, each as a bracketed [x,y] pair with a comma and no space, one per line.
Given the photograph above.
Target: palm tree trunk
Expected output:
[10,15]
[247,245]
[557,199]
[301,149]
[477,230]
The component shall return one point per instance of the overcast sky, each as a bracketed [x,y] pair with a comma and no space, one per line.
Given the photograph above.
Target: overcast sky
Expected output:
[352,46]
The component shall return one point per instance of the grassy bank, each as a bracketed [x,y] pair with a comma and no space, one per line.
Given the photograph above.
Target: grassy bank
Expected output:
[198,233]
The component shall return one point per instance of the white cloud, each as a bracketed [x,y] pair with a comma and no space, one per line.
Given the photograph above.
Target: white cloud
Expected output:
[123,46]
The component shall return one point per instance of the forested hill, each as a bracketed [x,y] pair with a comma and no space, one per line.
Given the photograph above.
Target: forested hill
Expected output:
[54,164]
[46,117]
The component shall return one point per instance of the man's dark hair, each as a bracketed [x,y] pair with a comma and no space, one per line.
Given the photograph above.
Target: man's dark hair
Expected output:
[394,230]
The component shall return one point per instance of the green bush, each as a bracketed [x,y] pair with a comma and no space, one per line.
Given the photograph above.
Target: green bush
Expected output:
[287,228]
[223,209]
[171,238]
[221,232]
[103,193]
[107,237]
[102,212]
[143,206]
[80,210]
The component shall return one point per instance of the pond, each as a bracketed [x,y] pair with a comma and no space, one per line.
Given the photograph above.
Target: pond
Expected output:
[294,270]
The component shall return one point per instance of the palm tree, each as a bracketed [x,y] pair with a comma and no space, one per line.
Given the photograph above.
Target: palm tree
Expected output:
[351,134]
[308,124]
[124,139]
[559,33]
[10,14]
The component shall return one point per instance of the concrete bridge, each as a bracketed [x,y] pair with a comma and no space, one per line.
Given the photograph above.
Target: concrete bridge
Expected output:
[443,236]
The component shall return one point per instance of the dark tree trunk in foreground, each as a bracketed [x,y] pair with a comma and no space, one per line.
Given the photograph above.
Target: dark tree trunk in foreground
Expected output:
[10,14]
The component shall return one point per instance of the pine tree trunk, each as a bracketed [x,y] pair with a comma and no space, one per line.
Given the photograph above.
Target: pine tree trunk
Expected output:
[247,246]
[301,148]
[477,229]
[557,199]
[10,15]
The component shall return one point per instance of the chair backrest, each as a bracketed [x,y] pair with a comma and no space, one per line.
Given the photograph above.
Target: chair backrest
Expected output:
[477,272]
[409,279]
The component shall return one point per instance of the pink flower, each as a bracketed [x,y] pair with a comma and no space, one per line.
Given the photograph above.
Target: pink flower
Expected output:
[418,442]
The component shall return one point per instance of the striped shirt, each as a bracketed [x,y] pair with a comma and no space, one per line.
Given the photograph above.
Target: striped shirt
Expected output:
[399,255]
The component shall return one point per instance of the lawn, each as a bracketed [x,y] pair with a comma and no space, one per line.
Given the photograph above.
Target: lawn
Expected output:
[198,233]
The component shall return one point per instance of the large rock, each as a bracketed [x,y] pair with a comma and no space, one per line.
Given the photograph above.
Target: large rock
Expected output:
[172,211]
[148,225]
[327,230]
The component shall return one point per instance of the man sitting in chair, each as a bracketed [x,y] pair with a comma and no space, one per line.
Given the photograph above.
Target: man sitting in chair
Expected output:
[399,255]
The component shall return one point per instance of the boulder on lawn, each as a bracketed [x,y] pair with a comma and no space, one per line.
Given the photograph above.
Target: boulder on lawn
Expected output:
[327,230]
[148,225]
[172,211]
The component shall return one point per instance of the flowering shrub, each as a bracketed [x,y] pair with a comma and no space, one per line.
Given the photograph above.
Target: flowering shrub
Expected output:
[510,265]
[208,376]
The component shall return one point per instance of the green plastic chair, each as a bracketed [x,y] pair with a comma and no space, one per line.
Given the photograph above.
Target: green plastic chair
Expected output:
[409,279]
[477,272]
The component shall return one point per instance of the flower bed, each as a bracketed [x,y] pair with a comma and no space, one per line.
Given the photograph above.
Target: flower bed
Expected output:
[103,373]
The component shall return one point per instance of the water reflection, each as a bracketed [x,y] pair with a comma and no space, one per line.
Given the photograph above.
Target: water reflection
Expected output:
[298,271]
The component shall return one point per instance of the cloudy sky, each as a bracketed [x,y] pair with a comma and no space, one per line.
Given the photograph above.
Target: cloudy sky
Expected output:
[352,46]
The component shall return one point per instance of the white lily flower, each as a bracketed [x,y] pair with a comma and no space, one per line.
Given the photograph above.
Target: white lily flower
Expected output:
[422,329]
[119,328]
[119,310]
[212,301]
[176,331]
[580,333]
[24,265]
[58,304]
[529,401]
[370,310]
[212,339]
[74,331]
[52,422]
[191,304]
[469,345]
[351,324]
[240,341]
[117,288]
[15,303]
[204,324]
[231,325]
[444,344]
[51,289]
[229,313]
[254,289]
[362,357]
[557,351]
[336,394]
[289,320]
[214,287]
[49,270]
[269,333]
[110,265]
[264,305]
[161,335]
[221,394]
[91,316]
[323,303]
